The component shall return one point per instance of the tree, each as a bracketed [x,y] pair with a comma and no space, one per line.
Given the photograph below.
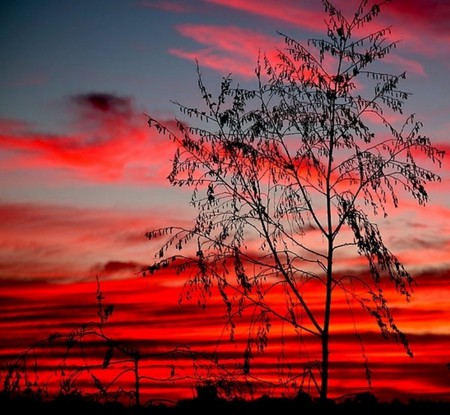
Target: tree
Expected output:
[21,375]
[311,150]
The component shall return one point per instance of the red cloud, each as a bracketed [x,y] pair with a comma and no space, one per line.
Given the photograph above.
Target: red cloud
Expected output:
[110,142]
[68,242]
[236,49]
[426,31]
[288,11]
[430,15]
[230,47]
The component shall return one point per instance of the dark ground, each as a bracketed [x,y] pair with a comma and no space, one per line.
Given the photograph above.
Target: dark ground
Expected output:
[363,404]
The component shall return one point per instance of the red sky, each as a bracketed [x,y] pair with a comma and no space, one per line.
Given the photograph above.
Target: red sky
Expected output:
[82,178]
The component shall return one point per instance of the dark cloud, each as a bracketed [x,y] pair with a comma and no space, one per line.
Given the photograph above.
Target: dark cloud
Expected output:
[115,268]
[434,277]
[112,267]
[103,103]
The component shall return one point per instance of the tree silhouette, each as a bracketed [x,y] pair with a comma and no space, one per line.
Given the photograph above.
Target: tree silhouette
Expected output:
[310,151]
[22,373]
[94,365]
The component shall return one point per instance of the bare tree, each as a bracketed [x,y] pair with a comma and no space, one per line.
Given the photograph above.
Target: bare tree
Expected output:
[311,150]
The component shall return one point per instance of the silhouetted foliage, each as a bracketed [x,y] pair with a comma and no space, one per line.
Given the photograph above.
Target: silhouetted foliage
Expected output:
[310,151]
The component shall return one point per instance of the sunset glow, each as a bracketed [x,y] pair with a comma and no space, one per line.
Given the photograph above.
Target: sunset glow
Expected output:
[83,179]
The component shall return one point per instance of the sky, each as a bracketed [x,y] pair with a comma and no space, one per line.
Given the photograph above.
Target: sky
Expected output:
[83,177]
